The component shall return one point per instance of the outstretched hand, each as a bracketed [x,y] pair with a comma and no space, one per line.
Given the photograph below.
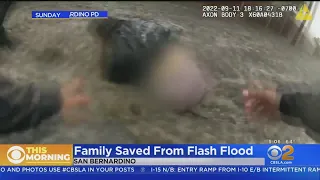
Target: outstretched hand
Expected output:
[262,102]
[73,97]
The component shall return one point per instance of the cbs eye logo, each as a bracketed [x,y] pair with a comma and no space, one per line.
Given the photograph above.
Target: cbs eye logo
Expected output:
[16,154]
[276,153]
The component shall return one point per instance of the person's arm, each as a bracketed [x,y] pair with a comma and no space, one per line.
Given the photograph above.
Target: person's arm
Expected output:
[4,7]
[305,106]
[23,107]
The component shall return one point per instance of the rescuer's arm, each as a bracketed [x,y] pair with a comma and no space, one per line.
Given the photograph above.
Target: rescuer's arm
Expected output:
[305,106]
[4,7]
[301,100]
[25,106]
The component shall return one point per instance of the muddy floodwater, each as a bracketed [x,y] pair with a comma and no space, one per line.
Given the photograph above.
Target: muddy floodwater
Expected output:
[230,52]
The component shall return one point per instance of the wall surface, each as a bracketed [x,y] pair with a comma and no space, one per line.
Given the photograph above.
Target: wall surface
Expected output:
[306,41]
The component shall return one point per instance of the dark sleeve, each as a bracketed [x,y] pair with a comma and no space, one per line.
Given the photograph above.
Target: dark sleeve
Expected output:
[305,106]
[4,7]
[26,106]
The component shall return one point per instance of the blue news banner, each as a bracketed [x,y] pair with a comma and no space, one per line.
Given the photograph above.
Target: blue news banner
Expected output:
[241,161]
[68,14]
[158,169]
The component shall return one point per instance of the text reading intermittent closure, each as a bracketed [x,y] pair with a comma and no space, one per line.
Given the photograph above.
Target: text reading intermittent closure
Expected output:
[68,14]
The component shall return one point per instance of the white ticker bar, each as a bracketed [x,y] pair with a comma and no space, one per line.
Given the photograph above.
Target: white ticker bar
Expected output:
[169,161]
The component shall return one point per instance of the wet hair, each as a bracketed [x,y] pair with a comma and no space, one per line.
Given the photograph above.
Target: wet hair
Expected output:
[158,63]
[124,59]
[104,28]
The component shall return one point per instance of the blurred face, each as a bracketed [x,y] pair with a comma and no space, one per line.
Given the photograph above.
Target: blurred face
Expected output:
[177,82]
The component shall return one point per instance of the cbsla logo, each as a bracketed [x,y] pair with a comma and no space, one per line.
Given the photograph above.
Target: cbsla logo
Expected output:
[279,155]
[16,154]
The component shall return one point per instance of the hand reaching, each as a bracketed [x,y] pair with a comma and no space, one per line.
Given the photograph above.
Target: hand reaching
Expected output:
[73,97]
[263,102]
